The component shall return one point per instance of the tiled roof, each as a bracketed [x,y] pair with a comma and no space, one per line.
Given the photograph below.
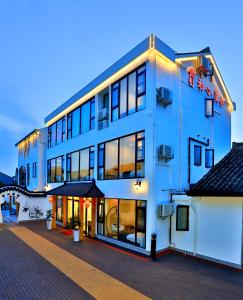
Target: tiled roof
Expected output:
[5,179]
[224,179]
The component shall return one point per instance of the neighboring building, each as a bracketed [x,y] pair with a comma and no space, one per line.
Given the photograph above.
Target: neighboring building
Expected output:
[149,126]
[32,160]
[212,213]
[6,180]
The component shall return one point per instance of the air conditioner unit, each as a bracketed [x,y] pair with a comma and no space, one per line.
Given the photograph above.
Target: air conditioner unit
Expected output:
[204,66]
[166,210]
[165,153]
[103,114]
[163,96]
[102,124]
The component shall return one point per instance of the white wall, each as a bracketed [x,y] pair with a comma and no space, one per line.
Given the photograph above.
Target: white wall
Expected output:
[215,231]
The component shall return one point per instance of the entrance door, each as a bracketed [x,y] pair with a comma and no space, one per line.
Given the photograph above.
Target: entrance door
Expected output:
[87,219]
[72,210]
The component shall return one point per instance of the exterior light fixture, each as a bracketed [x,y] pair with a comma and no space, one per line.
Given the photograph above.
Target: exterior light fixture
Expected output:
[86,202]
[138,184]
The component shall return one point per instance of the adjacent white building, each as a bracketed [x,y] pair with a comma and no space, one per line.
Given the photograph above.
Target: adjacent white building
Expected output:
[118,150]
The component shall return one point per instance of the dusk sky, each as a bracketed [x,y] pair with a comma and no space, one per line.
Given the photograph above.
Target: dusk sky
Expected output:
[51,49]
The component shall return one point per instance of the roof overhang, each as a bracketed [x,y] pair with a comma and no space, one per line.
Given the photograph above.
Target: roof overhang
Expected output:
[183,57]
[17,189]
[137,55]
[35,131]
[81,189]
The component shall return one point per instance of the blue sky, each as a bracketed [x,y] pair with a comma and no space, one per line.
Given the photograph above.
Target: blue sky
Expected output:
[50,49]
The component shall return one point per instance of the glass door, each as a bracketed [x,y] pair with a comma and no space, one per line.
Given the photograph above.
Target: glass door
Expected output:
[72,210]
[87,219]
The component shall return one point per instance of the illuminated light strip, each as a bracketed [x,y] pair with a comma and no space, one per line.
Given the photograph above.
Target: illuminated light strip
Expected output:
[210,57]
[129,67]
[105,84]
[221,81]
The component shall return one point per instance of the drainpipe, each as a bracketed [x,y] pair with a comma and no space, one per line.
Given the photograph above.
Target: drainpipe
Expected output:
[195,229]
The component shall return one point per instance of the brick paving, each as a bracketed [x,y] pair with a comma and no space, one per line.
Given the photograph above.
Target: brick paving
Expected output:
[26,275]
[173,276]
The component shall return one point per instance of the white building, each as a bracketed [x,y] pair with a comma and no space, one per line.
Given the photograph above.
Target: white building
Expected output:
[32,160]
[146,128]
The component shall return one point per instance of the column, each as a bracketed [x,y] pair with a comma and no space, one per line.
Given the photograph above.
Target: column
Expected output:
[64,211]
[93,222]
[54,210]
[81,217]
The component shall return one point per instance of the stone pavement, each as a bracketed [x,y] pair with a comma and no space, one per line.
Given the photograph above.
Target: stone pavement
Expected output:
[171,277]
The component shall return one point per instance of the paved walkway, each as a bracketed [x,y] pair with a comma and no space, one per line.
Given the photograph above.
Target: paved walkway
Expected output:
[92,280]
[26,274]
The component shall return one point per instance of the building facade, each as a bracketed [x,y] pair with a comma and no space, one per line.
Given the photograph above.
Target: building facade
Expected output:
[147,128]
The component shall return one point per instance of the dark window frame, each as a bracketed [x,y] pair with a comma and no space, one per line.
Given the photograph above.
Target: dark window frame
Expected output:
[209,166]
[178,228]
[69,161]
[49,144]
[118,221]
[143,72]
[195,163]
[49,169]
[91,102]
[118,159]
[28,174]
[209,100]
[61,211]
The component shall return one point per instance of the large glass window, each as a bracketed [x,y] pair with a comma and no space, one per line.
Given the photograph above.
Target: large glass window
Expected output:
[122,158]
[80,165]
[182,218]
[128,94]
[59,209]
[55,171]
[56,132]
[111,163]
[82,119]
[72,209]
[122,219]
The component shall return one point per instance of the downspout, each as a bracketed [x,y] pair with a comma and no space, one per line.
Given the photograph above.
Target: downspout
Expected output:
[195,229]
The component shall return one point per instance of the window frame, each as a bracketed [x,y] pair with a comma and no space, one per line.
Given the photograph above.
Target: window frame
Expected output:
[69,161]
[63,132]
[207,166]
[200,163]
[118,160]
[118,220]
[28,174]
[137,94]
[91,102]
[209,100]
[178,228]
[49,169]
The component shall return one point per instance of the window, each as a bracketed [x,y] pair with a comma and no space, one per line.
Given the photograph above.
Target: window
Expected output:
[59,209]
[122,158]
[209,107]
[55,172]
[128,94]
[34,170]
[80,165]
[82,119]
[182,218]
[122,219]
[197,155]
[56,132]
[209,158]
[28,174]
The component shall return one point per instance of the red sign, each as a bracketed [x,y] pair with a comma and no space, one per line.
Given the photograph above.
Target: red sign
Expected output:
[201,87]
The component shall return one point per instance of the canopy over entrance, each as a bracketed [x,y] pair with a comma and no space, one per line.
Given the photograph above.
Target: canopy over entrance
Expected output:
[81,189]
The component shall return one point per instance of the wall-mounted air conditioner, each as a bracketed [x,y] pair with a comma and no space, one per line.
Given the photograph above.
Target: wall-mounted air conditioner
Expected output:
[163,96]
[165,210]
[165,153]
[103,114]
[102,124]
[204,66]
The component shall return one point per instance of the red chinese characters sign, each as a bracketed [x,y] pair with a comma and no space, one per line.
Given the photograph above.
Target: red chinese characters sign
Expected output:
[201,87]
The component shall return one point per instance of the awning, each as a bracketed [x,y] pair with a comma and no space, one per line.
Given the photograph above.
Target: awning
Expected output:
[81,189]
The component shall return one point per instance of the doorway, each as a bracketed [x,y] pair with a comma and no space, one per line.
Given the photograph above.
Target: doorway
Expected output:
[72,210]
[87,217]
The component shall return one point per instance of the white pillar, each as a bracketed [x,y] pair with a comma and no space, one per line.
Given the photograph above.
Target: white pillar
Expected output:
[2,200]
